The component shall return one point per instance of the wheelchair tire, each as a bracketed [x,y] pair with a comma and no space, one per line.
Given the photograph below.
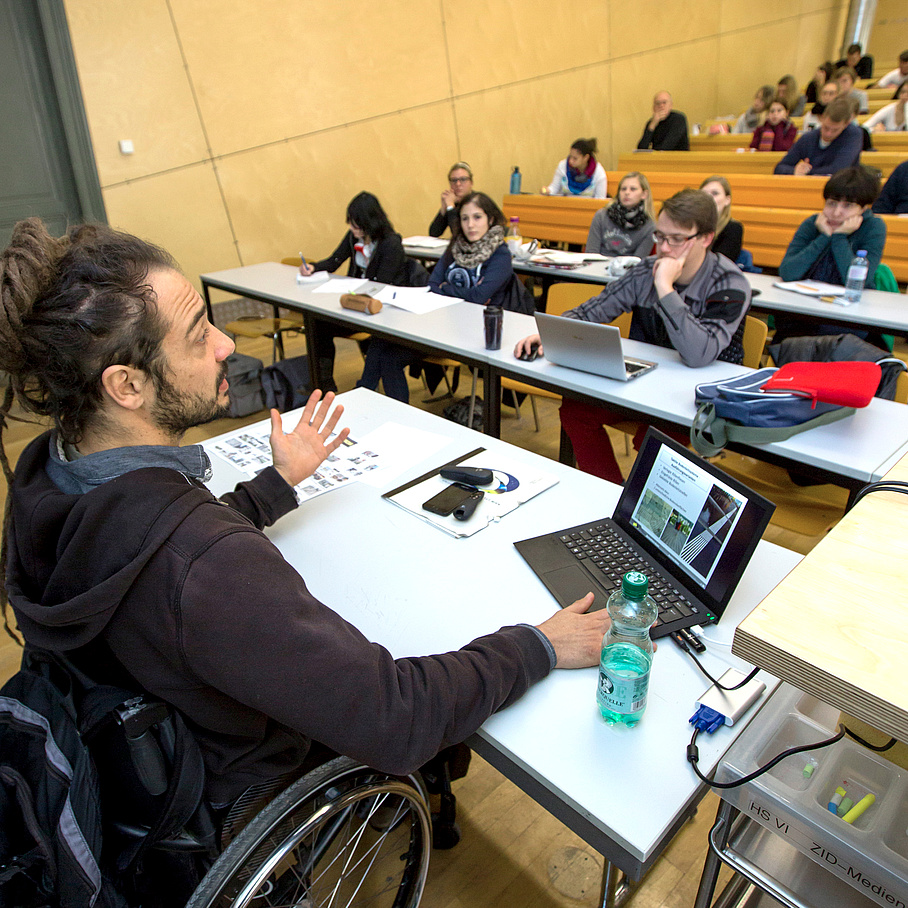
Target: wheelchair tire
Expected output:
[342,835]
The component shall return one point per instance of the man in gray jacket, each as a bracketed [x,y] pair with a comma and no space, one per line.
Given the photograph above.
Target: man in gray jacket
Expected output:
[684,297]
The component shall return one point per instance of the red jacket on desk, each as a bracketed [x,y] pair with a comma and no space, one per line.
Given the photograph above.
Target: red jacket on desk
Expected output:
[774,138]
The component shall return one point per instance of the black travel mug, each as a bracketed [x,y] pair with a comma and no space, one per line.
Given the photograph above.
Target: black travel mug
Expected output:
[493,318]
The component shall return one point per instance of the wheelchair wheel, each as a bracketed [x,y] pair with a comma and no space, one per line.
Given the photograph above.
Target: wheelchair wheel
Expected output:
[342,835]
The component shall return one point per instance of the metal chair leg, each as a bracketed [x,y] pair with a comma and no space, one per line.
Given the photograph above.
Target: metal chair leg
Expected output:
[535,411]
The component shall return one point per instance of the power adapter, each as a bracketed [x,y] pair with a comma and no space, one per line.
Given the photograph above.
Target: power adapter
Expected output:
[732,704]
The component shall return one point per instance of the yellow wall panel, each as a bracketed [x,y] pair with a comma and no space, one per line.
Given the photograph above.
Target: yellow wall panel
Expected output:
[520,40]
[645,25]
[282,199]
[819,37]
[134,86]
[889,36]
[181,211]
[738,14]
[268,69]
[535,124]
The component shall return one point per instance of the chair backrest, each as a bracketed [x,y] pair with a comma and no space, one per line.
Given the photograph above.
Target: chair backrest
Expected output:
[291,260]
[884,279]
[623,323]
[564,296]
[901,388]
[753,341]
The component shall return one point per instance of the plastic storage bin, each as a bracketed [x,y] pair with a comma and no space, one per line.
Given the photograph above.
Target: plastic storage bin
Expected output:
[870,854]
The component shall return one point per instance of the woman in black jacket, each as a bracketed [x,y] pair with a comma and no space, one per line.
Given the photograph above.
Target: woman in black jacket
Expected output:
[729,233]
[375,253]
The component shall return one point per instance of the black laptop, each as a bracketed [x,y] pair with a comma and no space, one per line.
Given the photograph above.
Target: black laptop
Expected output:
[681,521]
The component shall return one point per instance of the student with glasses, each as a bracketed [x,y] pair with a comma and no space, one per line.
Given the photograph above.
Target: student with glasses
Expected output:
[460,185]
[685,297]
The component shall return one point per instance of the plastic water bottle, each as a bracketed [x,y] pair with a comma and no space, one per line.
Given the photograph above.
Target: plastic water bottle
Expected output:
[857,274]
[516,178]
[627,652]
[513,237]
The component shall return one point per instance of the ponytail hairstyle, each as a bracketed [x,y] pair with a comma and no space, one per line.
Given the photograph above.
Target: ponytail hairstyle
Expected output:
[69,308]
[586,146]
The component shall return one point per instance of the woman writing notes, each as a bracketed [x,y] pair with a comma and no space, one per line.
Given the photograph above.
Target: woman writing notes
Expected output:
[375,252]
[476,267]
[625,227]
[892,117]
[580,173]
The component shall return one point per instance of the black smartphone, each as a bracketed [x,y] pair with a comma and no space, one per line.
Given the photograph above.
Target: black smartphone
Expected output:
[448,500]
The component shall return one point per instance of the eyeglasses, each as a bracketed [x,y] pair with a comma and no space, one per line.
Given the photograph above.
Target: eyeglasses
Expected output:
[673,241]
[460,179]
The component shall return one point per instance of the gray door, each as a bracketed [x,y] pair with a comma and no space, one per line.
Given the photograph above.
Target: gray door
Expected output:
[37,175]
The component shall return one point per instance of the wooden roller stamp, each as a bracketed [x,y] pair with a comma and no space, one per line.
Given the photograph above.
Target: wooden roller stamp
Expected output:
[360,302]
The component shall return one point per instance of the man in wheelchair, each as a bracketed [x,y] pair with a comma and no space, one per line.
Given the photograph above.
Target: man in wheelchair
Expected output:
[114,543]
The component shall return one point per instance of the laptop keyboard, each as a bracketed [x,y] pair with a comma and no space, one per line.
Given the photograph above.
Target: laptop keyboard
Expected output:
[609,557]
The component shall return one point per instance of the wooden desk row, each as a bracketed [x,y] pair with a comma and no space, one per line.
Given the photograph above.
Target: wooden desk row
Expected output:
[889,142]
[768,228]
[731,161]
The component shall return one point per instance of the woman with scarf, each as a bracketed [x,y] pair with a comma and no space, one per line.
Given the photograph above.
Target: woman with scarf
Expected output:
[476,267]
[580,173]
[756,113]
[625,227]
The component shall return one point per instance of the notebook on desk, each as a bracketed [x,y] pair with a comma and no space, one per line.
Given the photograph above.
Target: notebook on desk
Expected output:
[589,347]
[681,521]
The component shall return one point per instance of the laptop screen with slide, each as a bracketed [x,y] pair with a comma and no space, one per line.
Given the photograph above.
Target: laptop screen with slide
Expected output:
[691,528]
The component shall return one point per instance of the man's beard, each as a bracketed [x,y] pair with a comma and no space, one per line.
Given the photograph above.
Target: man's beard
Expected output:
[176,412]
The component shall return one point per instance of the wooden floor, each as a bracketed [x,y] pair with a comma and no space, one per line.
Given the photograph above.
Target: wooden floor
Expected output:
[513,853]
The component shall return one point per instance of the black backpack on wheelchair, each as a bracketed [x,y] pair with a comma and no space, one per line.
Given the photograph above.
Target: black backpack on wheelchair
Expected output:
[101,805]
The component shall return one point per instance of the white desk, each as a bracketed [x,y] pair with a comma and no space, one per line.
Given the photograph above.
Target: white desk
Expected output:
[851,452]
[418,591]
[877,309]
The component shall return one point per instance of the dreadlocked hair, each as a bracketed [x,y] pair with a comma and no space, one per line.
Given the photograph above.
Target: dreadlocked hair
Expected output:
[69,308]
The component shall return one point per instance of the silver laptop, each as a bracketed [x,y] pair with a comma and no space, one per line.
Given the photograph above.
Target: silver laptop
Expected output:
[589,347]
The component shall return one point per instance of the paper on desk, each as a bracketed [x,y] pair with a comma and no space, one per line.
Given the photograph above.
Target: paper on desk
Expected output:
[810,288]
[249,450]
[426,242]
[417,300]
[399,448]
[514,483]
[340,285]
[557,257]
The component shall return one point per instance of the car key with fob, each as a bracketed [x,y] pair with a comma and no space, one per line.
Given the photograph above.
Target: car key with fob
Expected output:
[474,476]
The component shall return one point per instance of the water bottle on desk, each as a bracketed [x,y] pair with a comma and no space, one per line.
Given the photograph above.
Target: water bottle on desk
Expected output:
[857,274]
[513,238]
[627,652]
[516,179]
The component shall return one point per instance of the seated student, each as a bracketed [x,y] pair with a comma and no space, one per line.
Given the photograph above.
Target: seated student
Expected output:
[898,75]
[787,90]
[756,113]
[858,61]
[834,146]
[729,233]
[476,267]
[828,93]
[460,183]
[580,173]
[666,130]
[684,297]
[845,78]
[778,132]
[891,118]
[625,227]
[894,197]
[375,252]
[821,77]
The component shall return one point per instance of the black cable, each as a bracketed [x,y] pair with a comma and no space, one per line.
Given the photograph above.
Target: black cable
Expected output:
[884,485]
[693,756]
[879,748]
[737,686]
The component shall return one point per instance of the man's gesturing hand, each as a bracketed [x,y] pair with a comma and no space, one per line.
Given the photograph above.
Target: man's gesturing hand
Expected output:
[299,453]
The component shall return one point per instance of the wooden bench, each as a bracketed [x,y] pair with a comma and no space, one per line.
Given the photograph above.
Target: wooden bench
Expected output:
[730,161]
[895,142]
[767,229]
